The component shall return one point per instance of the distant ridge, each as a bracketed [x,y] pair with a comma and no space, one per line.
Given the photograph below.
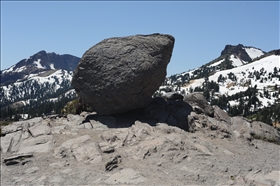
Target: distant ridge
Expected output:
[242,80]
[34,84]
[39,62]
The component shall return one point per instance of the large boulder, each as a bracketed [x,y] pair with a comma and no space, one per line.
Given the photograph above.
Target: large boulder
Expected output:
[199,103]
[244,129]
[122,73]
[221,115]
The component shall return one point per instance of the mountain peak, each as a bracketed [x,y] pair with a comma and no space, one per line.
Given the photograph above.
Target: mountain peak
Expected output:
[238,51]
[232,48]
[42,52]
[244,53]
[39,62]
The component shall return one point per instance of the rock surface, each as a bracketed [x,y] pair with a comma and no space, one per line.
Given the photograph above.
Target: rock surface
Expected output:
[121,74]
[92,149]
[173,113]
[173,96]
[197,99]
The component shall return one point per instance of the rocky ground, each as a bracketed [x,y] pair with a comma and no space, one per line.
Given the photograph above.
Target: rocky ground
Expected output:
[90,149]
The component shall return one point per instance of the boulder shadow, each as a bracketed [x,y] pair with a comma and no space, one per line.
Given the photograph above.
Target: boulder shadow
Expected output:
[174,113]
[121,120]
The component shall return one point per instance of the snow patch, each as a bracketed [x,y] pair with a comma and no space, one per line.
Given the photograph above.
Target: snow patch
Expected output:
[20,69]
[38,64]
[9,69]
[253,52]
[52,66]
[53,99]
[27,59]
[236,61]
[216,63]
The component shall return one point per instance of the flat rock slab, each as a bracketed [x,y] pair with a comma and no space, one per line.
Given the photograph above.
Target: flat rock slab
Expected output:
[259,178]
[87,153]
[125,176]
[42,129]
[39,144]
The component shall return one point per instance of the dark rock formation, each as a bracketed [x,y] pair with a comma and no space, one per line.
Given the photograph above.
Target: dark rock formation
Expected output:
[113,163]
[173,113]
[238,51]
[17,159]
[198,100]
[120,74]
[173,96]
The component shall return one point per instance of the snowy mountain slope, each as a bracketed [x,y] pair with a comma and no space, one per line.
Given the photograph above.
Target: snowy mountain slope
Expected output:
[261,74]
[254,52]
[39,62]
[231,57]
[43,77]
[36,87]
[244,77]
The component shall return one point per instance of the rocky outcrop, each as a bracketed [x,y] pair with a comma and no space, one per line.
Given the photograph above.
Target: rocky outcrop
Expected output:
[172,96]
[244,129]
[121,74]
[238,50]
[113,163]
[13,160]
[199,103]
[173,113]
[220,114]
[128,149]
[27,137]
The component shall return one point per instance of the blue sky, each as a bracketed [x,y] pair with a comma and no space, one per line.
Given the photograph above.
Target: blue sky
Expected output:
[201,29]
